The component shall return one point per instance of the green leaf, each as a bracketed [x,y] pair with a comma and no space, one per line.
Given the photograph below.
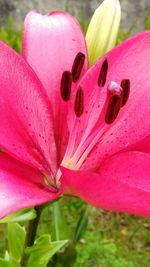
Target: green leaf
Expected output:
[42,251]
[147,25]
[16,238]
[67,257]
[2,245]
[60,226]
[4,263]
[81,225]
[19,216]
[10,35]
[9,260]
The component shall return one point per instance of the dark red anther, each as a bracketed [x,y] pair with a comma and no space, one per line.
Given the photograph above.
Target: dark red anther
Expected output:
[125,84]
[77,66]
[103,73]
[79,102]
[65,87]
[113,108]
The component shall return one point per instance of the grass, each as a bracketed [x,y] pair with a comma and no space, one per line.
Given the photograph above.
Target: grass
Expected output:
[11,36]
[111,239]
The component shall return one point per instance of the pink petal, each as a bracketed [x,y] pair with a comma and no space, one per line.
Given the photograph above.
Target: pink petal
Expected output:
[26,129]
[20,186]
[121,185]
[130,60]
[50,44]
[143,145]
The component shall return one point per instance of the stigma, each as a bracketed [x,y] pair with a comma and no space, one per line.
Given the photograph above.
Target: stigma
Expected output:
[117,97]
[98,113]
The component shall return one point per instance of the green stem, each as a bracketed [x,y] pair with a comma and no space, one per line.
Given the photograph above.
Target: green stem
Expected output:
[56,211]
[30,235]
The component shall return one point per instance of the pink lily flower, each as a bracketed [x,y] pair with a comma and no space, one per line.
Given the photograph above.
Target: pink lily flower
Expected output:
[69,130]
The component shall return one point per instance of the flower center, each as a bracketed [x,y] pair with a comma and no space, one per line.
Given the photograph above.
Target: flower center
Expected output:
[116,97]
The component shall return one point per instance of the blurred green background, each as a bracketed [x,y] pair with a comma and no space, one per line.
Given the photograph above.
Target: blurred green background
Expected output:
[131,10]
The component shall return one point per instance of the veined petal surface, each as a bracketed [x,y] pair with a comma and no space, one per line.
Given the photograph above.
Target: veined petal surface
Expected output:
[129,60]
[50,45]
[121,184]
[20,186]
[26,128]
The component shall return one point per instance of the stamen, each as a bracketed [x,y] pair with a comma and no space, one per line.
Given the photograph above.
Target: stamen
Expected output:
[112,109]
[125,84]
[77,66]
[114,96]
[65,88]
[103,73]
[79,102]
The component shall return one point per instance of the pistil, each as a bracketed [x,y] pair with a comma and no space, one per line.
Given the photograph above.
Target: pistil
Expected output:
[107,116]
[116,97]
[113,102]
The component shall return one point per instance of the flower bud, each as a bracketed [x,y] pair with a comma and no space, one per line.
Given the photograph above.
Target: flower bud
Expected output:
[103,29]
